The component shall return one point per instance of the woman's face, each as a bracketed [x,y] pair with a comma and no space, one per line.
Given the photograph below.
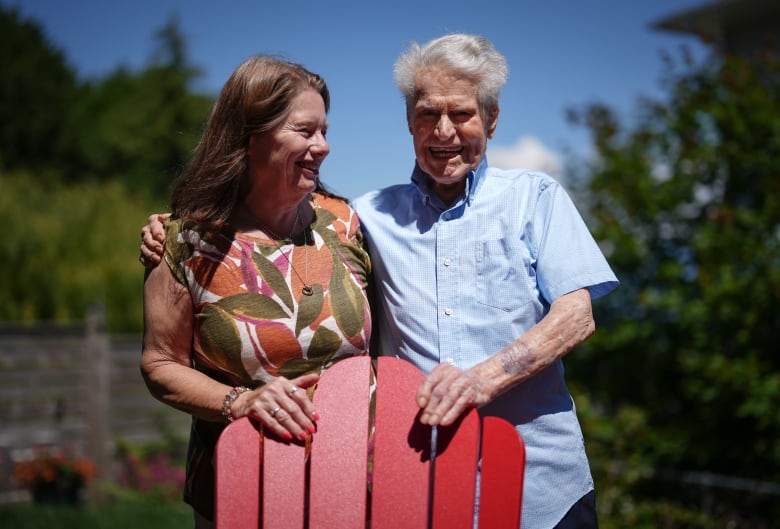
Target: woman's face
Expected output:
[449,131]
[285,162]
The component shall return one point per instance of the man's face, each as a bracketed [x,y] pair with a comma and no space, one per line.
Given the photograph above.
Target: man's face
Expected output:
[449,131]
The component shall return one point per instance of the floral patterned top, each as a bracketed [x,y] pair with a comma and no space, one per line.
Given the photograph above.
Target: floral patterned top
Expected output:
[252,320]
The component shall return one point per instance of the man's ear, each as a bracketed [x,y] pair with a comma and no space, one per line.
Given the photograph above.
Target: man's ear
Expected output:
[492,122]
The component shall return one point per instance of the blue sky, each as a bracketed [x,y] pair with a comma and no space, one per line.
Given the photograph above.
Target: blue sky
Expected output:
[561,53]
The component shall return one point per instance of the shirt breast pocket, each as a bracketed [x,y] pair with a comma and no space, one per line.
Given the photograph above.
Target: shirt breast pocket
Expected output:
[504,274]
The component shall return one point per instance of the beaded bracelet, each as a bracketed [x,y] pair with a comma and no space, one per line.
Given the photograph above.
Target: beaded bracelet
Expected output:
[230,398]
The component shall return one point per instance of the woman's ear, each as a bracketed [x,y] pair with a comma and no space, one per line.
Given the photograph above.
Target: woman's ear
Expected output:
[249,145]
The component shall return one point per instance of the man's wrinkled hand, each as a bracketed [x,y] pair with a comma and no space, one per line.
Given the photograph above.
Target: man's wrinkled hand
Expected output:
[448,392]
[152,239]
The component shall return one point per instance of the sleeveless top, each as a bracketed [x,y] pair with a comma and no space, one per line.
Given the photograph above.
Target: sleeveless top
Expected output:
[252,320]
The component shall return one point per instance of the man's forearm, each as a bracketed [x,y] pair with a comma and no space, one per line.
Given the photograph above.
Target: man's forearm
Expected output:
[569,323]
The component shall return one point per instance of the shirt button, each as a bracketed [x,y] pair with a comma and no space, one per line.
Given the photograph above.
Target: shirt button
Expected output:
[448,311]
[447,261]
[447,215]
[451,361]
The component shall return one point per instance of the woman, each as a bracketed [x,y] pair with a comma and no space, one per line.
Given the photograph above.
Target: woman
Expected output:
[266,276]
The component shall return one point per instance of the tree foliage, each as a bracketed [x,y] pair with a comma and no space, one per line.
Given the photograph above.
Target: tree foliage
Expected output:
[71,247]
[82,164]
[36,90]
[138,127]
[688,201]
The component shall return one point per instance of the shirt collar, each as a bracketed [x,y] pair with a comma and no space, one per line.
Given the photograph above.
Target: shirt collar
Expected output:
[474,180]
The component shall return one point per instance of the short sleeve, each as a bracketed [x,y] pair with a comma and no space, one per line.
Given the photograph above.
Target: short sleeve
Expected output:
[568,256]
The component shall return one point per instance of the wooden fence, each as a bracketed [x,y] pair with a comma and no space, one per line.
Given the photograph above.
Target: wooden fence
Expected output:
[74,387]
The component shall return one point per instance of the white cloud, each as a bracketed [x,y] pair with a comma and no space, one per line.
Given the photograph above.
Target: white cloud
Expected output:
[527,153]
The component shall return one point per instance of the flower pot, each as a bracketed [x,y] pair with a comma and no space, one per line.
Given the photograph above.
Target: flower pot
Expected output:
[59,494]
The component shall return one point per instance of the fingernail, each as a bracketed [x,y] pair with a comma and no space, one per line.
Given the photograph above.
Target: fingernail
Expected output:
[311,428]
[287,436]
[303,436]
[315,416]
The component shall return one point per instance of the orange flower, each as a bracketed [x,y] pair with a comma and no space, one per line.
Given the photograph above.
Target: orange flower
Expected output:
[50,467]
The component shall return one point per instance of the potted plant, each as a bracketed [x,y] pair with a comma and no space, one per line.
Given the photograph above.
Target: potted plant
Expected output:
[54,477]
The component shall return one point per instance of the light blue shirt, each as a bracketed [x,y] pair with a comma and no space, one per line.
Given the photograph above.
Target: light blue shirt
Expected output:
[457,284]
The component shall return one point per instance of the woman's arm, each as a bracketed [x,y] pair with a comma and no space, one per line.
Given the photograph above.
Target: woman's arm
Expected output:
[166,366]
[166,363]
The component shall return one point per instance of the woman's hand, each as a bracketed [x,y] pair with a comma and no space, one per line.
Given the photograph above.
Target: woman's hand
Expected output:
[152,239]
[282,405]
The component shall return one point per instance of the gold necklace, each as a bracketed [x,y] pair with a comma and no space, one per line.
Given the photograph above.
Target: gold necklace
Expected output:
[307,289]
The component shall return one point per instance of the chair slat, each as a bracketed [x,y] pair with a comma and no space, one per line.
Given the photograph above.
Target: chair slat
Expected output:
[339,455]
[401,450]
[237,479]
[503,470]
[284,484]
[455,471]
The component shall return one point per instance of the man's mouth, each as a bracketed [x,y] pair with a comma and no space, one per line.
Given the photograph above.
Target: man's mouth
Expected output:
[445,152]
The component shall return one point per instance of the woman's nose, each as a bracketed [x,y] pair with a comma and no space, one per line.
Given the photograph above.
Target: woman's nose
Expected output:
[320,144]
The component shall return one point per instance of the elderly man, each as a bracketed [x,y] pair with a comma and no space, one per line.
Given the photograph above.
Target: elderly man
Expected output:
[484,277]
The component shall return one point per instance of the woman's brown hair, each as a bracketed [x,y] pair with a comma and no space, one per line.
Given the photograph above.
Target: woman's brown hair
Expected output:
[256,98]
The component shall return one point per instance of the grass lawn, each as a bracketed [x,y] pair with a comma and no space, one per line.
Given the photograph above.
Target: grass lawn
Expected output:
[126,515]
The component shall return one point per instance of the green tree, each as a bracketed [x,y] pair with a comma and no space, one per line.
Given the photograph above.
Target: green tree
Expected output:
[682,375]
[72,246]
[139,127]
[37,88]
[84,165]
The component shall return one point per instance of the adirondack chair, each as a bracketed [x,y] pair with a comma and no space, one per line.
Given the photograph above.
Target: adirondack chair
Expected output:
[422,477]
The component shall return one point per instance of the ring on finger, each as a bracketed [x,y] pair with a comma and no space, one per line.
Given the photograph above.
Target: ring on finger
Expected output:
[275,411]
[293,390]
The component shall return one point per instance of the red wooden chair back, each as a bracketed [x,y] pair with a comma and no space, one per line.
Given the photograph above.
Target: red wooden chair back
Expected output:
[412,487]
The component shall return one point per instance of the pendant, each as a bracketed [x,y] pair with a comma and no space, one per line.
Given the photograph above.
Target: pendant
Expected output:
[307,290]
